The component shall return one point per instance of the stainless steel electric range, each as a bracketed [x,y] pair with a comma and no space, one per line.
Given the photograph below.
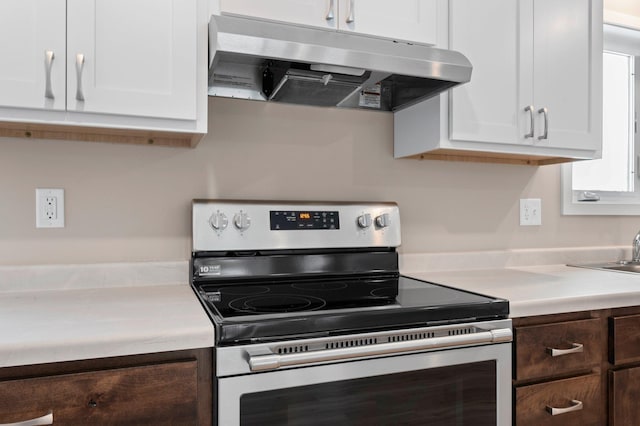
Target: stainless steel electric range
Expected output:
[315,325]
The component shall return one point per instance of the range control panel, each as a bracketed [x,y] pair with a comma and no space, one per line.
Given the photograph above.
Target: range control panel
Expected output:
[304,219]
[234,225]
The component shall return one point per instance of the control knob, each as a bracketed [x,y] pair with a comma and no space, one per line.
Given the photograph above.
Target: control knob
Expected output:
[364,221]
[242,221]
[218,221]
[383,220]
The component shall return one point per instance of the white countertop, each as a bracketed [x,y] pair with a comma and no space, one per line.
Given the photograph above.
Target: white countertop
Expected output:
[543,289]
[65,319]
[57,313]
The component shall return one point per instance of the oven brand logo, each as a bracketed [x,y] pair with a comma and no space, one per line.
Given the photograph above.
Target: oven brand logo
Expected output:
[208,270]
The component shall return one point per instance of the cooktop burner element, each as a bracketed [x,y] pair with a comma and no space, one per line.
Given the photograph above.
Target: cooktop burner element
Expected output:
[321,286]
[276,304]
[271,271]
[276,297]
[243,290]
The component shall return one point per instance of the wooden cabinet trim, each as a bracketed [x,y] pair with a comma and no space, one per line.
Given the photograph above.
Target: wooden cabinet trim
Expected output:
[99,134]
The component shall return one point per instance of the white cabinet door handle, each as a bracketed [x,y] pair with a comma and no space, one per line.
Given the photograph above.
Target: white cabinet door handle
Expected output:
[40,421]
[331,14]
[529,109]
[545,112]
[48,64]
[79,68]
[351,16]
[575,406]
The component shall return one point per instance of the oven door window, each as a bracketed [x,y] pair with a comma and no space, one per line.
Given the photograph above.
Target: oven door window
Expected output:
[459,387]
[456,395]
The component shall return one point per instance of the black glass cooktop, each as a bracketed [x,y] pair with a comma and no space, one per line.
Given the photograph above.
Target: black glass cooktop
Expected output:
[265,298]
[271,310]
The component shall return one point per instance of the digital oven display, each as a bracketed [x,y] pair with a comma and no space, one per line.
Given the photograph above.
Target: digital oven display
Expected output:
[303,219]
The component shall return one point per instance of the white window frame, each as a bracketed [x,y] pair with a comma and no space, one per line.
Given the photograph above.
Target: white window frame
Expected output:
[624,40]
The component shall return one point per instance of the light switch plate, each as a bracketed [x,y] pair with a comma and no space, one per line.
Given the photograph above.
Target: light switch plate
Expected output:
[530,212]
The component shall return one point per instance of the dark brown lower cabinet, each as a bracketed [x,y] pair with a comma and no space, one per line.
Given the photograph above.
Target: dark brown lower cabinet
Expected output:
[624,375]
[587,364]
[624,397]
[558,364]
[574,401]
[144,390]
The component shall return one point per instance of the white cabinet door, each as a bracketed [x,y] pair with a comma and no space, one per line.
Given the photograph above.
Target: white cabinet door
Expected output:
[542,54]
[29,29]
[491,107]
[316,13]
[407,20]
[132,57]
[567,74]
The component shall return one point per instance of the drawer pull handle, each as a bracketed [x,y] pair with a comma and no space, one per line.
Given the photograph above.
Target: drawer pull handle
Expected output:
[40,421]
[575,406]
[575,348]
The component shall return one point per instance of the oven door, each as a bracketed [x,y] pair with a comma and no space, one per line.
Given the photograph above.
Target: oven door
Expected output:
[455,387]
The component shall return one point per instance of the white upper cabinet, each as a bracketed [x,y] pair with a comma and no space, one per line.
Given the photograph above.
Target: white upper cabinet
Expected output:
[32,54]
[105,64]
[315,13]
[132,57]
[487,108]
[537,73]
[536,88]
[567,73]
[405,20]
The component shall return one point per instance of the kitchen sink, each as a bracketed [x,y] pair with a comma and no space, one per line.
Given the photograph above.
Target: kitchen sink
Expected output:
[619,266]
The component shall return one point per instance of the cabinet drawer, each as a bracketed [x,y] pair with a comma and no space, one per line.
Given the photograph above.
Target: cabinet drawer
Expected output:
[624,339]
[583,394]
[559,348]
[160,394]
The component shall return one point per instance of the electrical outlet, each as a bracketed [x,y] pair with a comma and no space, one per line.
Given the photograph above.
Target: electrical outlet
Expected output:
[530,212]
[49,208]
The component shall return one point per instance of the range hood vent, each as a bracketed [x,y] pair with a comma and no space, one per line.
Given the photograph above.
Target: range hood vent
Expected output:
[266,61]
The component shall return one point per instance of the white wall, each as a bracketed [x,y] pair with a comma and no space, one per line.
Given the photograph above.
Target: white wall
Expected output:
[132,203]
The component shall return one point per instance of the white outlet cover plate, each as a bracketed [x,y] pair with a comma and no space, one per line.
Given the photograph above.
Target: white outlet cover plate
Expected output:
[530,212]
[42,218]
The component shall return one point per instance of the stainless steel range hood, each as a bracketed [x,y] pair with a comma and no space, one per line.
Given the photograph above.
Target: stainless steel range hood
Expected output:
[259,60]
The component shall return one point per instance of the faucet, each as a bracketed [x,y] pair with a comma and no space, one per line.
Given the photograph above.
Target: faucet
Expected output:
[636,248]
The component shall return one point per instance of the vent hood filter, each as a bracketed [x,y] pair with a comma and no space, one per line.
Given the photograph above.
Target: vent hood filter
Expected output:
[308,87]
[322,90]
[258,60]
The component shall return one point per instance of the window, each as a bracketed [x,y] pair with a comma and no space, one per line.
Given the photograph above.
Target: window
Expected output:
[610,186]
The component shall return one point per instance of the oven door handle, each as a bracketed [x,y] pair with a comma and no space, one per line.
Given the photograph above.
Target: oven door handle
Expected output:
[273,361]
